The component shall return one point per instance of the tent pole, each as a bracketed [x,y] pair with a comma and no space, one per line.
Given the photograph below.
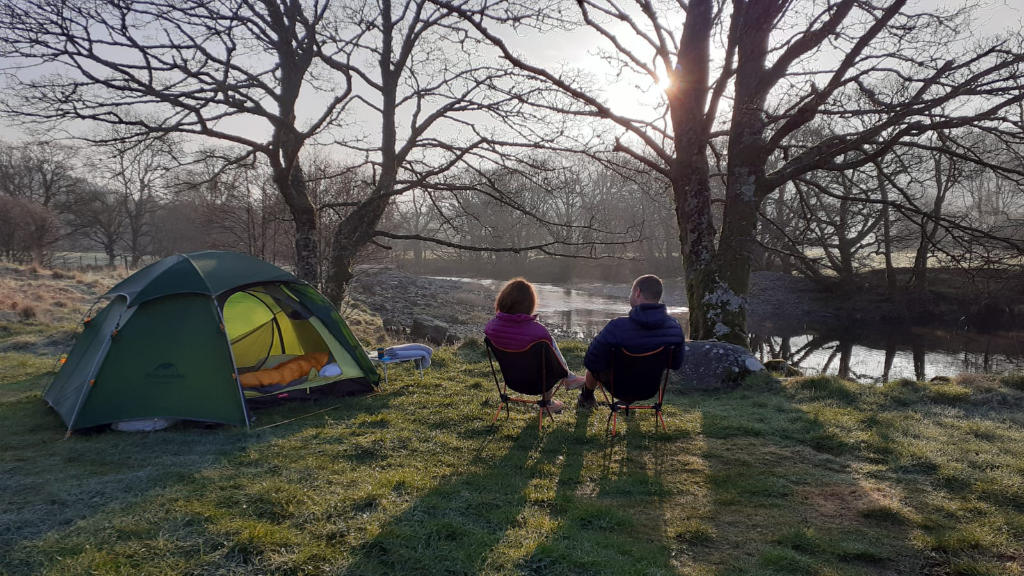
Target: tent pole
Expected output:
[91,375]
[231,355]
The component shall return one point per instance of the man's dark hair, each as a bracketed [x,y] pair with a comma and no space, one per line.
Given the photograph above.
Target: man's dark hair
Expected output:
[650,287]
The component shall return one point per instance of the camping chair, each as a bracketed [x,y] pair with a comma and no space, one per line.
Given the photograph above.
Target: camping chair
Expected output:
[533,371]
[637,377]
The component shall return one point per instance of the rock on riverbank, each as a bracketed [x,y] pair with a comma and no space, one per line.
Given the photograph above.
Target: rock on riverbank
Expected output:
[404,301]
[713,365]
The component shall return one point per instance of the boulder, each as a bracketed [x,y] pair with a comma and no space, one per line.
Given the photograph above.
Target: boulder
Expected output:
[392,324]
[713,365]
[429,329]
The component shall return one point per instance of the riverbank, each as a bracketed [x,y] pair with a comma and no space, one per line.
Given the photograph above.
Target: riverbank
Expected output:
[780,304]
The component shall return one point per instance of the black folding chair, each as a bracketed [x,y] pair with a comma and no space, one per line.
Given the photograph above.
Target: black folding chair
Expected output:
[532,371]
[635,377]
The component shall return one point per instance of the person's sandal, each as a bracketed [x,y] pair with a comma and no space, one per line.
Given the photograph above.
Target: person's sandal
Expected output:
[575,383]
[555,406]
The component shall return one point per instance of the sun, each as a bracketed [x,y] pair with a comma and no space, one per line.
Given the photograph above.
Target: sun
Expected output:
[639,97]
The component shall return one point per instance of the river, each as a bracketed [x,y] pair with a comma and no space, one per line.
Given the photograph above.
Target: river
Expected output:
[920,354]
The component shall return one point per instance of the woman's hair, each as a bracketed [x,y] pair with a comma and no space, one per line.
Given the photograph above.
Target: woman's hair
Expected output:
[516,297]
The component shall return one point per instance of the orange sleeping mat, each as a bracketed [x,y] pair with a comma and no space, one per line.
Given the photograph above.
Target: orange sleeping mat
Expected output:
[285,372]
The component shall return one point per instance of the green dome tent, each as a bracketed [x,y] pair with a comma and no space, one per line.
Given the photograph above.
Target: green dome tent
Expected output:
[174,337]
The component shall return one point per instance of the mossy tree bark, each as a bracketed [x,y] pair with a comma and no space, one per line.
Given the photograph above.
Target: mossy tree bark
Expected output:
[718,277]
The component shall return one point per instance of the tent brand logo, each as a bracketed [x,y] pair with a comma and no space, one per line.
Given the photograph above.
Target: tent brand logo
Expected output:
[165,372]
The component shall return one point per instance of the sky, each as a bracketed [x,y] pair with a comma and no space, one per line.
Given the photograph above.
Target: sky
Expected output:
[580,49]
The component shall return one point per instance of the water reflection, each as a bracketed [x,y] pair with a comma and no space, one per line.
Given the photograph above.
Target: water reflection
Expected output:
[917,354]
[861,355]
[570,313]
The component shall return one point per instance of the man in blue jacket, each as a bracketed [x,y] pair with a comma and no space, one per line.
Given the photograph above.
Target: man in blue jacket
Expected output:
[647,328]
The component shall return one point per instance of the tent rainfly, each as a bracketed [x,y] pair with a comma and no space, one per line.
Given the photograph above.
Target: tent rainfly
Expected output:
[174,338]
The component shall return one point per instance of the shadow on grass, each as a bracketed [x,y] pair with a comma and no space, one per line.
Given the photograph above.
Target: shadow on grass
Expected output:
[544,506]
[50,484]
[450,528]
[611,520]
[785,490]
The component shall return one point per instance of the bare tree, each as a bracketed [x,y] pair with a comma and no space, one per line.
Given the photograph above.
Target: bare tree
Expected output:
[873,72]
[136,171]
[416,216]
[245,72]
[97,214]
[442,108]
[946,175]
[826,235]
[232,208]
[36,182]
[406,88]
[42,172]
[28,230]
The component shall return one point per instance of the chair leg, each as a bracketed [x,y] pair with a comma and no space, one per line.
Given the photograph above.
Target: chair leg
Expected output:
[508,412]
[662,420]
[540,412]
[548,412]
[613,418]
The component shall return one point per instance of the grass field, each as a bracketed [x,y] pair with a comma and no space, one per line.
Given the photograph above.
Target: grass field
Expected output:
[804,476]
[807,476]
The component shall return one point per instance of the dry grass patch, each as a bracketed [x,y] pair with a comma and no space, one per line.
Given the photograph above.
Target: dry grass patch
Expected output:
[50,297]
[1013,380]
[845,504]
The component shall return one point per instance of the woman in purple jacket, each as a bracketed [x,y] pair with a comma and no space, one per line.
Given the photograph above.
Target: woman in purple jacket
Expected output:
[515,326]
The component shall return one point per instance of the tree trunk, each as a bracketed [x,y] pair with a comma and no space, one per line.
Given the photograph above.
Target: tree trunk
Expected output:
[352,233]
[747,158]
[929,230]
[890,355]
[691,186]
[919,279]
[727,307]
[890,272]
[844,243]
[845,354]
[292,186]
[918,354]
[417,255]
[135,242]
